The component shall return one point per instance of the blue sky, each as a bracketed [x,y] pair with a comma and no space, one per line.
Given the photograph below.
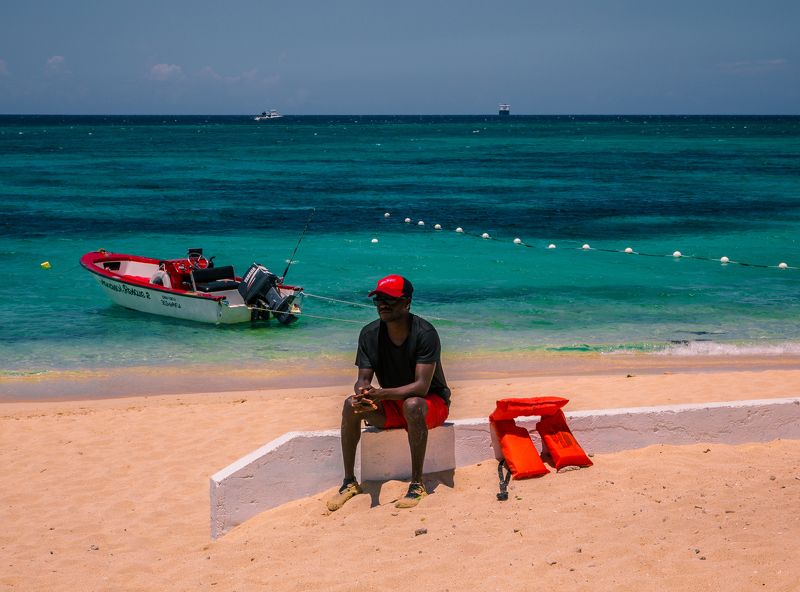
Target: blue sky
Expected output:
[410,57]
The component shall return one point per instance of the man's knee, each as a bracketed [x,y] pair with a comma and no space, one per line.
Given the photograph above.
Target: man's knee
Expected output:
[415,409]
[348,411]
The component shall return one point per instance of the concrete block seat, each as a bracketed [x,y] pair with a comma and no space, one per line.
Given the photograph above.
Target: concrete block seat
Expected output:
[385,454]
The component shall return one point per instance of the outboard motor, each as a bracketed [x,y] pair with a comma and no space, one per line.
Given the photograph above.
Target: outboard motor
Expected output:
[259,288]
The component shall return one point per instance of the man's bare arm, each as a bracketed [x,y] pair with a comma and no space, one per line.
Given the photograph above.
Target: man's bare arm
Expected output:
[423,375]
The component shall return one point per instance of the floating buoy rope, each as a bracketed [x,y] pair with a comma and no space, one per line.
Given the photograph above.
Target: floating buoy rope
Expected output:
[627,250]
[586,247]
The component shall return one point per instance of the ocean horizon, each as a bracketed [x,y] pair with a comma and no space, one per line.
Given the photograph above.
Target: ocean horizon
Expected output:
[706,186]
[405,115]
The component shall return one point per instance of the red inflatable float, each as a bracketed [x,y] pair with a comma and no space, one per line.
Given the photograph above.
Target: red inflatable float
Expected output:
[519,453]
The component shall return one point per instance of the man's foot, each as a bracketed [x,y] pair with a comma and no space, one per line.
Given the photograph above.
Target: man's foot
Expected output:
[416,491]
[349,488]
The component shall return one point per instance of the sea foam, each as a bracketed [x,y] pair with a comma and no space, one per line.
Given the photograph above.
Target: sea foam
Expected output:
[710,348]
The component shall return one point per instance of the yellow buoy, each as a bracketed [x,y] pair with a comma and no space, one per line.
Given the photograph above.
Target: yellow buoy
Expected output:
[45,265]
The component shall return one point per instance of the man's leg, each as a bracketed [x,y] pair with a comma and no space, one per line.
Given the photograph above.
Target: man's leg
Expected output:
[351,433]
[350,436]
[415,409]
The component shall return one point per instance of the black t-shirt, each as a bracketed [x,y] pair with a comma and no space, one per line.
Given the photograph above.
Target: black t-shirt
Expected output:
[395,365]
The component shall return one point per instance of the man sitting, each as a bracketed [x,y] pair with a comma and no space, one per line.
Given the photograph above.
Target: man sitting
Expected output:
[403,351]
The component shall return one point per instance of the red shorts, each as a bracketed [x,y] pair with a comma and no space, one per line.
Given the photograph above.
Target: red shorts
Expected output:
[437,413]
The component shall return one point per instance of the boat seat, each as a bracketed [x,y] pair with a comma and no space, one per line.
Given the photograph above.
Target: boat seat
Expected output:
[214,279]
[218,286]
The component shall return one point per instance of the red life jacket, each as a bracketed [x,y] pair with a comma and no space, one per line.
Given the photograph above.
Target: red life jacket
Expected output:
[563,448]
[518,450]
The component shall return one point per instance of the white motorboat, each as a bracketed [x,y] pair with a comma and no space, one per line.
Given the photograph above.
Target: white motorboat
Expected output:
[193,288]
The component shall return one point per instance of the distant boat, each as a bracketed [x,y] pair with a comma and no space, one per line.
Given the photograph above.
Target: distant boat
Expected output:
[505,109]
[271,114]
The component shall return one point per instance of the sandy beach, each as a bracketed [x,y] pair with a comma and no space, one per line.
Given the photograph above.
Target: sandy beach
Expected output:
[112,494]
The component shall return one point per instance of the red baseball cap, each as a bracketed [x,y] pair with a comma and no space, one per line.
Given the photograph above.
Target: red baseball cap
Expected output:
[395,286]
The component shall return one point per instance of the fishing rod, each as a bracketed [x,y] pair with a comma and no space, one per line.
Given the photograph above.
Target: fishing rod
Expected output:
[291,259]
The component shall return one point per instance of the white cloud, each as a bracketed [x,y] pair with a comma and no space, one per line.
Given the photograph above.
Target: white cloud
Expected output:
[209,72]
[55,61]
[754,66]
[3,68]
[165,72]
[250,75]
[56,65]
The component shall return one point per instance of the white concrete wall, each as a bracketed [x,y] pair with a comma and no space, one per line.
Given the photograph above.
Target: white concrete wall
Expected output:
[301,464]
[297,464]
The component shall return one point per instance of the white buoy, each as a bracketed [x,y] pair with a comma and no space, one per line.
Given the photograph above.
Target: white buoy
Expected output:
[459,229]
[782,266]
[629,250]
[677,254]
[374,240]
[407,220]
[386,215]
[420,223]
[485,235]
[586,247]
[724,260]
[437,226]
[517,241]
[551,246]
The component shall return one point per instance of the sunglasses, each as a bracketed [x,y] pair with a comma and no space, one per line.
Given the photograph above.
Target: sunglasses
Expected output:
[386,300]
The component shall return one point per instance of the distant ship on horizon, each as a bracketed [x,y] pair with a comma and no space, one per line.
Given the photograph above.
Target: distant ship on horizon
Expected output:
[505,109]
[271,114]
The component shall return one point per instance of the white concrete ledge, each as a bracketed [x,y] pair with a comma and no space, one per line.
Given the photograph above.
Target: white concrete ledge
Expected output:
[301,464]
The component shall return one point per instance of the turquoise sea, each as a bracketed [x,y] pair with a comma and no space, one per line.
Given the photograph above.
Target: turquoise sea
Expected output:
[243,190]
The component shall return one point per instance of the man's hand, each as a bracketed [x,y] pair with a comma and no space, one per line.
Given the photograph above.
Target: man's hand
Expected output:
[367,391]
[362,401]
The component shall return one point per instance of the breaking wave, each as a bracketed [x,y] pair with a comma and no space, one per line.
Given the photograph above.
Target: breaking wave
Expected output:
[711,348]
